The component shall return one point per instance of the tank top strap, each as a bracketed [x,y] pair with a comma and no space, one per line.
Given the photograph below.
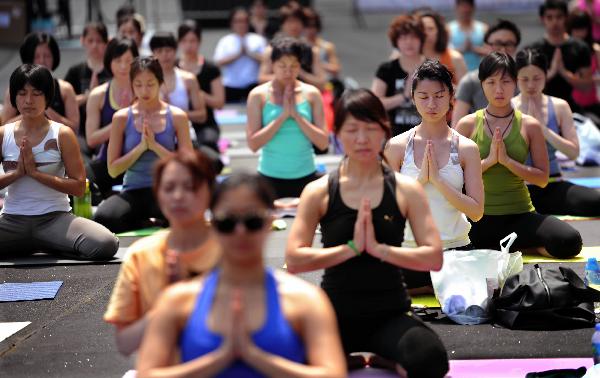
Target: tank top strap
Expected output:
[389,182]
[552,122]
[410,147]
[8,139]
[169,119]
[130,123]
[273,305]
[454,151]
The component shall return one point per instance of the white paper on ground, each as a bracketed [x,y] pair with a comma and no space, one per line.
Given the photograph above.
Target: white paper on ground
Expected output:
[10,328]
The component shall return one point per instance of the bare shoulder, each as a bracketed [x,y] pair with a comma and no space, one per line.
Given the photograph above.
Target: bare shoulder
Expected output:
[317,188]
[455,54]
[298,290]
[465,143]
[121,115]
[466,124]
[311,91]
[406,184]
[98,92]
[259,91]
[65,85]
[560,104]
[177,112]
[180,297]
[530,122]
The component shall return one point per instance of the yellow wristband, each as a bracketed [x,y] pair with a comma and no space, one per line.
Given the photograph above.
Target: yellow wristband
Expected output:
[353,247]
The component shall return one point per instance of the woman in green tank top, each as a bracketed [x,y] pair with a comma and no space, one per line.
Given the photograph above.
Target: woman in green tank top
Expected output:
[285,120]
[505,138]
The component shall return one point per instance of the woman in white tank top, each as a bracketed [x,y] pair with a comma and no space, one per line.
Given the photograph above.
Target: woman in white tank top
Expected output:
[444,162]
[180,88]
[42,166]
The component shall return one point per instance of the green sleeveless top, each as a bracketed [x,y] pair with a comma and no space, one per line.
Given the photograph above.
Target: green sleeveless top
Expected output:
[505,192]
[289,154]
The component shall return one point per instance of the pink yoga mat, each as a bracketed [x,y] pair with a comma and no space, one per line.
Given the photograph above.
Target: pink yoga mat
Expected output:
[510,368]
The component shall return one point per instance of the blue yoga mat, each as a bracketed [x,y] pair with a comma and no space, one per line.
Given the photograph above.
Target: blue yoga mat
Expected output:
[29,291]
[590,182]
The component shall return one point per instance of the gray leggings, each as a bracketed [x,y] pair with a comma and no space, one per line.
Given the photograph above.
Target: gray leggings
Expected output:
[56,232]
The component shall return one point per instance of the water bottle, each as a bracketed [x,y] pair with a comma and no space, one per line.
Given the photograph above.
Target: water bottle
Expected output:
[592,279]
[82,206]
[596,344]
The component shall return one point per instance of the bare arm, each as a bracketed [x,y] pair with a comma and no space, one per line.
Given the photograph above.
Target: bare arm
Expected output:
[466,127]
[428,255]
[197,113]
[161,338]
[317,76]
[300,256]
[256,135]
[8,111]
[460,67]
[129,337]
[74,183]
[182,129]
[459,110]
[379,88]
[215,99]
[537,174]
[315,131]
[265,72]
[95,135]
[320,336]
[332,66]
[567,141]
[471,202]
[394,152]
[71,117]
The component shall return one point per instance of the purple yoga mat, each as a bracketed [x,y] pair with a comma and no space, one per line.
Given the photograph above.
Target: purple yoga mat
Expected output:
[509,368]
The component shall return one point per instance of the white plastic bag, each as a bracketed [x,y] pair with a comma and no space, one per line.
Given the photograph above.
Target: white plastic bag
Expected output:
[468,279]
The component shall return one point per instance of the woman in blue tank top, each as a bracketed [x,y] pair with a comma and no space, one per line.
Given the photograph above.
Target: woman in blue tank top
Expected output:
[102,104]
[243,320]
[285,120]
[362,208]
[140,134]
[559,197]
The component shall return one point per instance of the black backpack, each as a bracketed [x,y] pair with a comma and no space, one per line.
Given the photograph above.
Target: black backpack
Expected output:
[545,299]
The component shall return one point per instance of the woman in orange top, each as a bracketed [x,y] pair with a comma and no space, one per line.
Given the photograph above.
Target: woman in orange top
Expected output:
[182,186]
[436,45]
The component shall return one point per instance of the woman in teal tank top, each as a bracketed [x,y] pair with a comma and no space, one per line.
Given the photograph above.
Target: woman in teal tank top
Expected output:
[244,320]
[505,138]
[285,120]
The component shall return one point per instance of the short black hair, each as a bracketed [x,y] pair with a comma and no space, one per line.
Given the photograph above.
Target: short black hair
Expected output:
[235,10]
[363,105]
[497,61]
[285,46]
[97,26]
[117,47]
[502,24]
[146,63]
[163,39]
[470,2]
[435,71]
[131,17]
[33,40]
[188,26]
[530,56]
[35,75]
[257,184]
[547,5]
[287,12]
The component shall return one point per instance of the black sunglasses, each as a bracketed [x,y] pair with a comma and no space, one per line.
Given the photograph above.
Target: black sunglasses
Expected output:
[251,222]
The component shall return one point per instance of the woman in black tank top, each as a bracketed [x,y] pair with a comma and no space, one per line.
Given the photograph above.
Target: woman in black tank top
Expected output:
[362,208]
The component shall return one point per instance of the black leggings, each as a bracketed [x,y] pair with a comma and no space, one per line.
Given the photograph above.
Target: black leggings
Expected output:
[565,198]
[128,210]
[97,173]
[290,187]
[401,338]
[559,238]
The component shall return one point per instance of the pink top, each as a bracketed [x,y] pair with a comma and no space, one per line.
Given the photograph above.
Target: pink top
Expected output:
[582,4]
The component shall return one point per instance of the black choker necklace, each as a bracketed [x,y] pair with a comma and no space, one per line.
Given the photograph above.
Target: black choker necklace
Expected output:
[496,116]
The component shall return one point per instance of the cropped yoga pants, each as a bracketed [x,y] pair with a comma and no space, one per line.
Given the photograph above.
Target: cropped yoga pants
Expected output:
[533,230]
[58,232]
[565,198]
[128,210]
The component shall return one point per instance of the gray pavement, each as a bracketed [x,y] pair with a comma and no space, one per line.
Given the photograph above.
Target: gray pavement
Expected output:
[67,337]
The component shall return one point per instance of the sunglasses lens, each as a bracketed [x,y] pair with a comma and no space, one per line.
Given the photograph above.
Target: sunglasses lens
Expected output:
[225,225]
[254,223]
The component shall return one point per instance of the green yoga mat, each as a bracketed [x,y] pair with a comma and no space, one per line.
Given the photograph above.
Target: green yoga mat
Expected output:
[586,253]
[141,232]
[428,301]
[574,218]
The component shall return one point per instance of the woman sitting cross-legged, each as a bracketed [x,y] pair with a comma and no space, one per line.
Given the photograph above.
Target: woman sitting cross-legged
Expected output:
[362,208]
[506,137]
[443,161]
[42,166]
[141,134]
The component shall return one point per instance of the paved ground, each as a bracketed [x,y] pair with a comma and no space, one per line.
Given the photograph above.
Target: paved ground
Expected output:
[67,337]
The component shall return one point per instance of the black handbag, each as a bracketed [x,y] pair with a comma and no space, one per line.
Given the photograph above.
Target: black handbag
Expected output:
[545,299]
